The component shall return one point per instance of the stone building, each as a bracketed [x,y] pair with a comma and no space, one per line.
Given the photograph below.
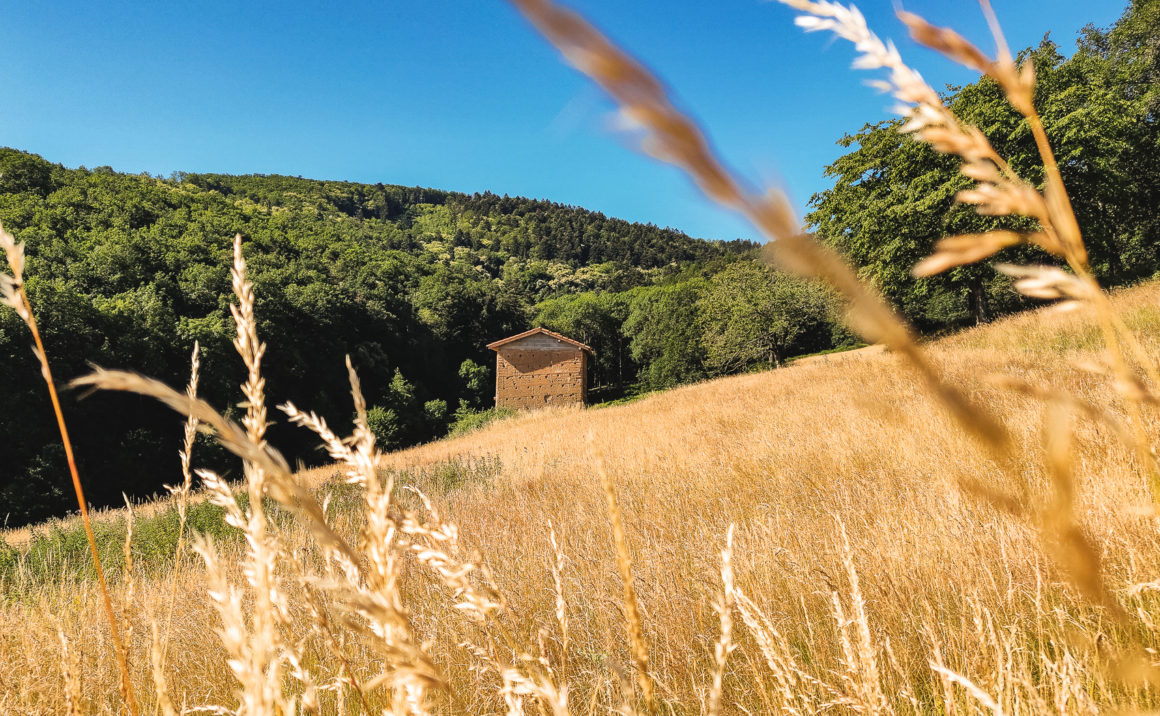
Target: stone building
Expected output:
[537,368]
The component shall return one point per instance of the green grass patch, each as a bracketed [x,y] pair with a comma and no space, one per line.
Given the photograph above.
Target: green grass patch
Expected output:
[467,421]
[452,474]
[59,550]
[9,556]
[830,351]
[625,400]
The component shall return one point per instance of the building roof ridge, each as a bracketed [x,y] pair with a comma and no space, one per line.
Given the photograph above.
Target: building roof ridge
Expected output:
[539,330]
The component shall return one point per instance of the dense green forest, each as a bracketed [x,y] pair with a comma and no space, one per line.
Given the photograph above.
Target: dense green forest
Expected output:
[128,271]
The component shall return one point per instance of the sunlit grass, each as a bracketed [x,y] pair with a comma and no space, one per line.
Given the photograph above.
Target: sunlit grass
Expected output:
[788,456]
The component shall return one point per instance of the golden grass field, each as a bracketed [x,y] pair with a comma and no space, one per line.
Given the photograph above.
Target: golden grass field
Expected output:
[793,457]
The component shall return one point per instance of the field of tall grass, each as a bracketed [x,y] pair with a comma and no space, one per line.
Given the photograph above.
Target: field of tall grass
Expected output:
[862,561]
[967,526]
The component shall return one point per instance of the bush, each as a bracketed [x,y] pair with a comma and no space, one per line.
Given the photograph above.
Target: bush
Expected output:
[435,415]
[468,420]
[384,423]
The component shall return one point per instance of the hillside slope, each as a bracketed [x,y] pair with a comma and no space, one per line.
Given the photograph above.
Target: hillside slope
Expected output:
[841,478]
[801,459]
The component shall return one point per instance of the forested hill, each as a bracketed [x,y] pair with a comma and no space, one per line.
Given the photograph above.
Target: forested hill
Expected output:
[492,226]
[128,271]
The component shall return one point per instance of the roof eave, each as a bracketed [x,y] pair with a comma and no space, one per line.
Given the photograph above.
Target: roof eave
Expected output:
[496,345]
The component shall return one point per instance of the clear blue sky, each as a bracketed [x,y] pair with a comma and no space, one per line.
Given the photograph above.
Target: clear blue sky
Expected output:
[457,94]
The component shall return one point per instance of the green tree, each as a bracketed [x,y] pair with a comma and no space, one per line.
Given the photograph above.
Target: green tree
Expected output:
[894,197]
[664,333]
[385,424]
[126,271]
[21,172]
[751,314]
[597,320]
[477,384]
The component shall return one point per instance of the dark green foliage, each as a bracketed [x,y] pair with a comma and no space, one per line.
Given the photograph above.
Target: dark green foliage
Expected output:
[736,317]
[384,423]
[476,384]
[9,557]
[127,271]
[666,336]
[435,414]
[20,172]
[597,320]
[894,197]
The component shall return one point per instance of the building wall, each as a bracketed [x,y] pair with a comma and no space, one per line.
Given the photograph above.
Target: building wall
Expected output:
[539,371]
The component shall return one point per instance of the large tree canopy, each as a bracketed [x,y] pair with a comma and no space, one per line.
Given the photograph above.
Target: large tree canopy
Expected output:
[754,315]
[893,197]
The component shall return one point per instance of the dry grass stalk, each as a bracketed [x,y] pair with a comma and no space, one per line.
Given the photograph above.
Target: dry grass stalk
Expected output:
[324,627]
[793,685]
[258,662]
[278,479]
[160,685]
[724,609]
[859,652]
[561,602]
[675,464]
[70,671]
[633,623]
[1000,191]
[182,491]
[127,605]
[965,249]
[674,138]
[976,693]
[1059,221]
[375,599]
[1069,543]
[383,541]
[366,583]
[12,294]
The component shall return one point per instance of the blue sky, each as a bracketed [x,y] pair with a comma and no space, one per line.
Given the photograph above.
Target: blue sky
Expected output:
[458,94]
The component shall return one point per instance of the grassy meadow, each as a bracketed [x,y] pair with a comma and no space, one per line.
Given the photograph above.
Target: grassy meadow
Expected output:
[865,562]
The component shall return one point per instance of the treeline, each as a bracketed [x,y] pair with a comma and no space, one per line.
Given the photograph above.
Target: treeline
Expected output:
[688,328]
[893,197]
[128,271]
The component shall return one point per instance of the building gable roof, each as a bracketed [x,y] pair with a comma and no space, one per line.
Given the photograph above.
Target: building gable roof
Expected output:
[539,330]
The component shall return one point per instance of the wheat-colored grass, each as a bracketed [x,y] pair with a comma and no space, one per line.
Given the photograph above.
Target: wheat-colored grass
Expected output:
[791,457]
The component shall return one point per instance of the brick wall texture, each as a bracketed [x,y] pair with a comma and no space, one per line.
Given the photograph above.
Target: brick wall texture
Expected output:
[533,373]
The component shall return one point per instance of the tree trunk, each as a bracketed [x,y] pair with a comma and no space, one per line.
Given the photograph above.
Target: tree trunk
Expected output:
[978,303]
